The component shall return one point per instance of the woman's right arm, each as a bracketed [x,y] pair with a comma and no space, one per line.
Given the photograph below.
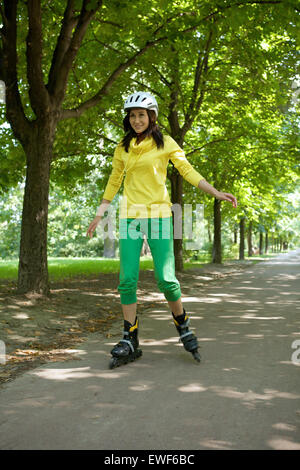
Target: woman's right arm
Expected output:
[100,212]
[112,187]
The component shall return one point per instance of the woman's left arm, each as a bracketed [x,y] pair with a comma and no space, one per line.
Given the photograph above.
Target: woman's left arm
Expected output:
[208,188]
[179,160]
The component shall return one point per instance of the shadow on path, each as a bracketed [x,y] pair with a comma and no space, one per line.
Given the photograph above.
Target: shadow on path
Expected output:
[244,395]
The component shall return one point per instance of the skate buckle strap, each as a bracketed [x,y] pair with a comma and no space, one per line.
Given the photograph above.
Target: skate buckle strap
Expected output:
[128,342]
[185,325]
[186,334]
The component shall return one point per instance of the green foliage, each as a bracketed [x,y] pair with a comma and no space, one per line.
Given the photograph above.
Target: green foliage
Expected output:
[69,219]
[10,223]
[68,268]
[244,137]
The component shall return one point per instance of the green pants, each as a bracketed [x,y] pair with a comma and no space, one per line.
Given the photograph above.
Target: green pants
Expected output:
[159,233]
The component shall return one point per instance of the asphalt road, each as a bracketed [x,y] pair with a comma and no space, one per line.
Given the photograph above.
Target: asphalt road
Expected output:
[245,394]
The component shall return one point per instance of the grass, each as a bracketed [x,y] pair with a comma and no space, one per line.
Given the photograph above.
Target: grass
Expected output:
[67,268]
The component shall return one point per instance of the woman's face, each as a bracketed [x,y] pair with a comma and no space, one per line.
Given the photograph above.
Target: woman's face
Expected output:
[139,120]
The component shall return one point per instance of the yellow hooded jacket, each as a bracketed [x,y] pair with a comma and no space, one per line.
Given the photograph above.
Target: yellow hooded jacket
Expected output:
[145,168]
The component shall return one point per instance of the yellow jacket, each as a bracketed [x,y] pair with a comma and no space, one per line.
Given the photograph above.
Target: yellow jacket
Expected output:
[145,168]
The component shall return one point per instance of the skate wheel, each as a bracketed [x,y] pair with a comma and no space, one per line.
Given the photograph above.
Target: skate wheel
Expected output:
[113,363]
[119,361]
[138,354]
[197,356]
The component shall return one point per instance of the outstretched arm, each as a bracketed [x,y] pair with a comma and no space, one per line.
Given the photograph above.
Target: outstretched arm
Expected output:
[111,190]
[179,160]
[99,214]
[208,188]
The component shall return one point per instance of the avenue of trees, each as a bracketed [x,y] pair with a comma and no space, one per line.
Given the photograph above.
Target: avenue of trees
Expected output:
[225,77]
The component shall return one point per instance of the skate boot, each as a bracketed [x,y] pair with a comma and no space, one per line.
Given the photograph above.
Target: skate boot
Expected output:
[188,338]
[127,348]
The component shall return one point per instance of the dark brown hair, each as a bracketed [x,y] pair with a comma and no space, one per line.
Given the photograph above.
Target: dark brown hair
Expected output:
[151,131]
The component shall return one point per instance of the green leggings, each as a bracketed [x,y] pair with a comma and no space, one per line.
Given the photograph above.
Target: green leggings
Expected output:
[159,234]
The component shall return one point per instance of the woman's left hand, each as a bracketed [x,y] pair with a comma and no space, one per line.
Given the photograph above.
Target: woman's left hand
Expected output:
[227,197]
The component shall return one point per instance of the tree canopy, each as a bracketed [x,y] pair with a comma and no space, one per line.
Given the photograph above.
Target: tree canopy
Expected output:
[224,74]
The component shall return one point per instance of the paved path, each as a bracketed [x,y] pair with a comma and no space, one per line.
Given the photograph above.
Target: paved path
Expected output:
[245,394]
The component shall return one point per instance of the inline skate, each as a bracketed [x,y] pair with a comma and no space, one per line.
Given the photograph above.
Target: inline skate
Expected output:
[127,349]
[187,337]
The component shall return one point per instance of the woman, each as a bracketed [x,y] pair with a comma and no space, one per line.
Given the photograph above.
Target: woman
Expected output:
[143,156]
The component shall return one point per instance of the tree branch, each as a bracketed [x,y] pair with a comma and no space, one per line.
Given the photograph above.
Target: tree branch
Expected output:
[220,9]
[162,77]
[201,71]
[67,48]
[39,97]
[76,112]
[63,43]
[173,105]
[60,155]
[112,23]
[154,92]
[69,113]
[113,121]
[4,20]
[181,14]
[14,109]
[111,141]
[108,46]
[213,142]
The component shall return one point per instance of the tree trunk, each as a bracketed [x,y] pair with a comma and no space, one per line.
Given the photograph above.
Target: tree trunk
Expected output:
[217,245]
[145,248]
[33,265]
[242,239]
[261,243]
[179,132]
[249,238]
[235,235]
[176,188]
[208,232]
[266,242]
[109,248]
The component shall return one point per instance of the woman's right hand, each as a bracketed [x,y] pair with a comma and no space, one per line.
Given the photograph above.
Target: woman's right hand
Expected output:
[92,226]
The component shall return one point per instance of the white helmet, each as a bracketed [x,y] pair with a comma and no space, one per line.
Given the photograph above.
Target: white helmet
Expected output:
[141,99]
